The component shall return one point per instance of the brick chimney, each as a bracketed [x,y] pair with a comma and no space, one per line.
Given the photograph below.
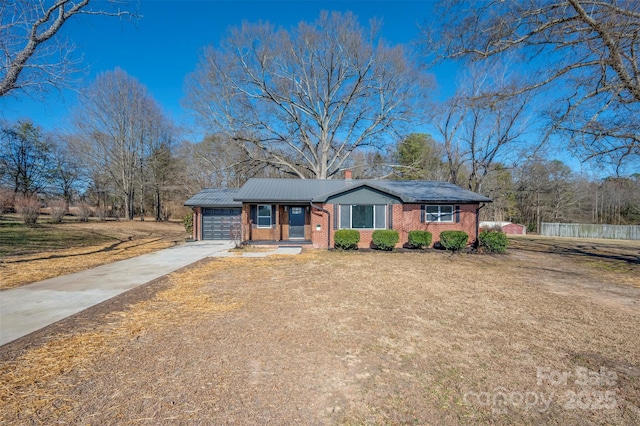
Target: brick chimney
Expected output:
[347,174]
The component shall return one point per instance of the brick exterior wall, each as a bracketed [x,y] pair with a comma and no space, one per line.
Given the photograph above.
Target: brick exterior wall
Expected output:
[245,221]
[321,229]
[411,222]
[406,217]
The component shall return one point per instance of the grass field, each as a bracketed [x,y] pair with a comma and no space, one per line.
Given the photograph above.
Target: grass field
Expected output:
[18,239]
[29,254]
[547,334]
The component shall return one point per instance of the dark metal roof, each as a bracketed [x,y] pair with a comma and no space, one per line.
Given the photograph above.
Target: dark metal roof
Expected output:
[319,190]
[214,197]
[430,191]
[288,190]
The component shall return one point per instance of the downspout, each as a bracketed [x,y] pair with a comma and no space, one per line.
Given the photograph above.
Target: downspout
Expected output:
[478,222]
[313,206]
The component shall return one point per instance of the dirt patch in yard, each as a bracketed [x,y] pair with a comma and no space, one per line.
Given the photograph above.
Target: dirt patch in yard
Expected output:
[349,338]
[35,254]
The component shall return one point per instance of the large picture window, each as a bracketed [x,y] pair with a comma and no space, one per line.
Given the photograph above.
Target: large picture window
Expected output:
[264,216]
[363,216]
[438,214]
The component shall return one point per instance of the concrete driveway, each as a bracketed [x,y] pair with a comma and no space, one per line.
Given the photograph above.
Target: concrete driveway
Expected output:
[26,309]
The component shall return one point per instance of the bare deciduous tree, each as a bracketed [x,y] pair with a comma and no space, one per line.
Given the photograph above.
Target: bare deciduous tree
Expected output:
[480,126]
[545,192]
[32,53]
[500,187]
[67,170]
[582,53]
[24,158]
[217,161]
[117,123]
[305,98]
[161,167]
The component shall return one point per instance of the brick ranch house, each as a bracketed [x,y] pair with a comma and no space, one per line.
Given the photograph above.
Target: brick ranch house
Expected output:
[309,211]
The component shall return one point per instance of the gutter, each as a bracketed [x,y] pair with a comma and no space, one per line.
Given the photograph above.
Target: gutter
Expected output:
[449,201]
[272,201]
[313,206]
[215,206]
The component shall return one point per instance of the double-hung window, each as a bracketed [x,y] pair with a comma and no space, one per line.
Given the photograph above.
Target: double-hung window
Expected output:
[438,213]
[264,215]
[363,216]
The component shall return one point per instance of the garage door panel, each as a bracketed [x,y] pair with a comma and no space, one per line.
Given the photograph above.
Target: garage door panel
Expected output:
[219,223]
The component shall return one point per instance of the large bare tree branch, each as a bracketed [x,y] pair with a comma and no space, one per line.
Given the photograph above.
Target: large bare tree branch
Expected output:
[31,56]
[480,126]
[582,54]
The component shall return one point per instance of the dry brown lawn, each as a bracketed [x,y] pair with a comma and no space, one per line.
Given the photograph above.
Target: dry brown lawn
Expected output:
[94,244]
[532,337]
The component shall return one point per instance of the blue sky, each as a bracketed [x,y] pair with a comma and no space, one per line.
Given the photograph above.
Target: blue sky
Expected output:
[162,47]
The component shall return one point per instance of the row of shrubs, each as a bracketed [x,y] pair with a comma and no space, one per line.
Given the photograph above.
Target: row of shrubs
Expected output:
[488,241]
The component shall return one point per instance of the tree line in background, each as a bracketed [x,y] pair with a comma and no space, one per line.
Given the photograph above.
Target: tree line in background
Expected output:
[122,158]
[332,95]
[534,191]
[158,173]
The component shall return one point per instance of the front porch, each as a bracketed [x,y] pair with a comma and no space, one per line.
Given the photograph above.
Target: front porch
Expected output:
[276,223]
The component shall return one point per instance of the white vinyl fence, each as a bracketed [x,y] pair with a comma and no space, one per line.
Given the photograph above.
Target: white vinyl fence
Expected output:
[585,230]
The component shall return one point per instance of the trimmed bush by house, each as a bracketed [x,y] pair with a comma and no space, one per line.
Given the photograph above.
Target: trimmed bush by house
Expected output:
[454,240]
[346,239]
[493,242]
[419,239]
[385,239]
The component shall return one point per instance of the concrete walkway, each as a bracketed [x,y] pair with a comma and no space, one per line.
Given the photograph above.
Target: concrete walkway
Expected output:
[26,309]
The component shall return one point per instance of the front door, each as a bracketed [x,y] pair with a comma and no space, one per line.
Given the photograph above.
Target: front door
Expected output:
[296,222]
